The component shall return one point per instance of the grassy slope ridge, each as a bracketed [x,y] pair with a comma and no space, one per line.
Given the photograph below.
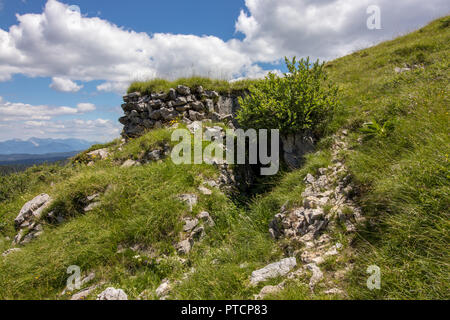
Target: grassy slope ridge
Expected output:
[221,86]
[402,174]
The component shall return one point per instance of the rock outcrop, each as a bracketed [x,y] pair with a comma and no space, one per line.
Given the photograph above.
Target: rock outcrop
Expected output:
[273,270]
[143,112]
[27,223]
[112,294]
[327,203]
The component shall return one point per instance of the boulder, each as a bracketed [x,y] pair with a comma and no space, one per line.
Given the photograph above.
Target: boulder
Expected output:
[32,210]
[155,115]
[190,199]
[183,90]
[273,270]
[185,246]
[267,290]
[164,289]
[130,163]
[197,106]
[132,97]
[205,191]
[112,294]
[172,95]
[209,104]
[195,126]
[317,275]
[189,224]
[206,218]
[102,154]
[180,101]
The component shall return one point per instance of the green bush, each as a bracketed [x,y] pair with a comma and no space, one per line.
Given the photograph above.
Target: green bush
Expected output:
[300,100]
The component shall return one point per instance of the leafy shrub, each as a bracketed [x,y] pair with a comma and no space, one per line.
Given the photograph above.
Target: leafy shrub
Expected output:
[300,100]
[375,129]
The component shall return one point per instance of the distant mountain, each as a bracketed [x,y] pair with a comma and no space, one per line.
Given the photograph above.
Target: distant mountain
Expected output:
[29,159]
[36,146]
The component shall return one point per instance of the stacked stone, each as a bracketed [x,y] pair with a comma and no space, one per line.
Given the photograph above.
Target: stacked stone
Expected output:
[143,112]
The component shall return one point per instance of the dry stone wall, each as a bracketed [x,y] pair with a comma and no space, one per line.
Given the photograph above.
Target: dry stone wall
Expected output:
[143,112]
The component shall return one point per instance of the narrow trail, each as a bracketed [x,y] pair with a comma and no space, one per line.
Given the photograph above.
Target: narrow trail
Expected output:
[327,208]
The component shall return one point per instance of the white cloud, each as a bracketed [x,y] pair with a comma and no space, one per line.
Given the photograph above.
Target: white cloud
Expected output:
[23,121]
[85,107]
[65,85]
[93,130]
[13,111]
[325,28]
[61,43]
[67,46]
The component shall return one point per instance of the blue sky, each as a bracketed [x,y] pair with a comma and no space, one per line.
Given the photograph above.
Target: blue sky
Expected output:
[62,72]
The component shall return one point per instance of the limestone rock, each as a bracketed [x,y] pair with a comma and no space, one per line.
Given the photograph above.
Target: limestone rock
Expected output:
[317,275]
[194,126]
[267,290]
[130,163]
[112,294]
[206,218]
[10,251]
[190,224]
[183,90]
[273,270]
[190,199]
[205,190]
[102,154]
[32,210]
[185,246]
[164,289]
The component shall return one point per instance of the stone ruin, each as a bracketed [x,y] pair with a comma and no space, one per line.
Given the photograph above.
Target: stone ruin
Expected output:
[157,110]
[144,112]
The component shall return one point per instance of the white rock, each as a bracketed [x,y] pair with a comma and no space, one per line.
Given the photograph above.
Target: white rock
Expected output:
[317,275]
[10,251]
[189,224]
[205,191]
[32,209]
[129,163]
[273,270]
[92,206]
[310,179]
[163,289]
[190,199]
[185,246]
[195,126]
[112,294]
[268,290]
[100,153]
[334,291]
[206,218]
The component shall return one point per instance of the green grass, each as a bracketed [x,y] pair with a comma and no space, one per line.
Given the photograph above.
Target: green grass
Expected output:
[402,175]
[402,178]
[160,85]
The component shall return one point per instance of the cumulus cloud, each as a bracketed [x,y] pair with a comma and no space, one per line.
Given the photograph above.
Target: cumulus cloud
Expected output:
[93,130]
[85,107]
[67,46]
[65,85]
[20,120]
[64,44]
[325,28]
[11,111]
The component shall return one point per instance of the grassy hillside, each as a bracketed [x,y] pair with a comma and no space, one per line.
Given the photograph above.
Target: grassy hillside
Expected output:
[400,166]
[402,171]
[158,85]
